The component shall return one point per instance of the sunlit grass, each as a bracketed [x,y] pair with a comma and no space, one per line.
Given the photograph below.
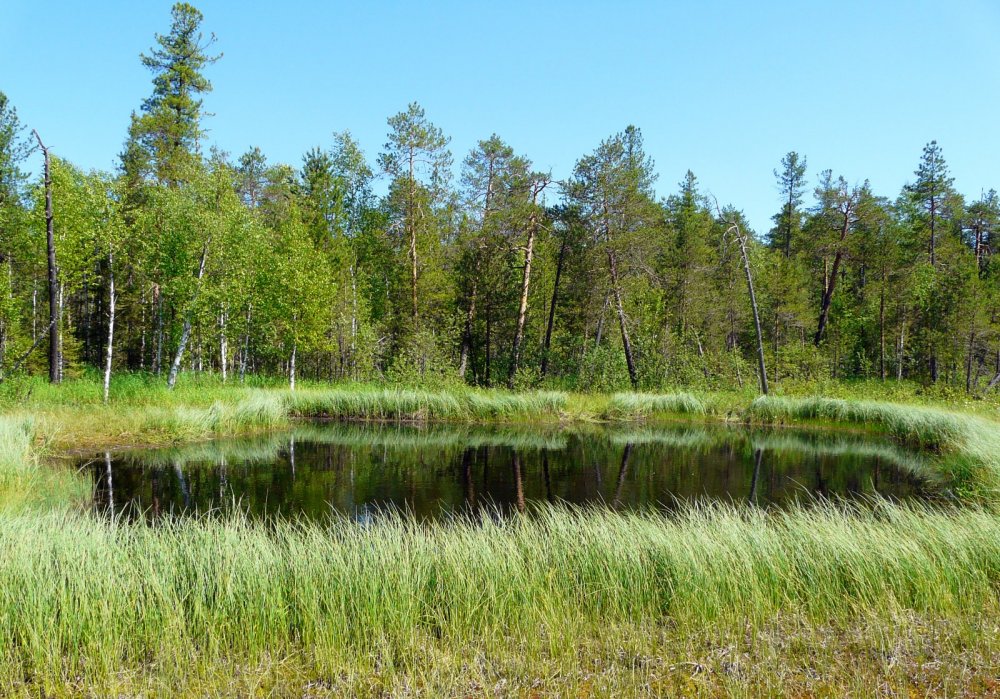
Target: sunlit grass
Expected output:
[84,596]
[88,602]
[649,405]
[969,445]
[24,483]
[374,403]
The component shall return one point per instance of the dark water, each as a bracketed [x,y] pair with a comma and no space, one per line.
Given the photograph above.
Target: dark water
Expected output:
[430,470]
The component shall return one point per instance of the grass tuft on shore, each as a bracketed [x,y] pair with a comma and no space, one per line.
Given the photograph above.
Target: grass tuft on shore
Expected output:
[24,483]
[969,446]
[372,403]
[85,597]
[631,406]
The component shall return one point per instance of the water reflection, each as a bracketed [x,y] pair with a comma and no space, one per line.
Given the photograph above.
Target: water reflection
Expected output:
[427,471]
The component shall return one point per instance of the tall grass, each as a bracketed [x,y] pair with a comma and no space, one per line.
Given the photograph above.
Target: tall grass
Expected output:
[415,404]
[24,483]
[81,597]
[969,445]
[88,602]
[647,405]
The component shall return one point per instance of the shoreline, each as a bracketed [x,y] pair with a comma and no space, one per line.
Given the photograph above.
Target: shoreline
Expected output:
[550,603]
[965,447]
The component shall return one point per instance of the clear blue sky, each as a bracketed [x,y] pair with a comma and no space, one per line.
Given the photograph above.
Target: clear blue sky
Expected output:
[723,87]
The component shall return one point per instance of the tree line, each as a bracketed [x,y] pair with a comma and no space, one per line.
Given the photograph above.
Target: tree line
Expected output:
[186,260]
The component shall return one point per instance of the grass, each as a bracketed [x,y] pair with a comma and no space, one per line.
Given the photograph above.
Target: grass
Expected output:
[24,484]
[630,406]
[969,445]
[831,599]
[376,403]
[965,444]
[86,598]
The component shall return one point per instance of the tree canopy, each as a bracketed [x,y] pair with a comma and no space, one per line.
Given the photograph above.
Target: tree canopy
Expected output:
[241,265]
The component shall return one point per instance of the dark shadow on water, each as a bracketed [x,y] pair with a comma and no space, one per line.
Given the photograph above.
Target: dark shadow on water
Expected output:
[429,472]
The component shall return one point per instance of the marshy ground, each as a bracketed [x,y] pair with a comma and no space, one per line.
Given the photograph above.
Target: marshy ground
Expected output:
[820,599]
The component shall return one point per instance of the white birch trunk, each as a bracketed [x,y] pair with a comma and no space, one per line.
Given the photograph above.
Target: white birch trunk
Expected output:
[175,366]
[111,488]
[59,343]
[111,332]
[223,344]
[354,321]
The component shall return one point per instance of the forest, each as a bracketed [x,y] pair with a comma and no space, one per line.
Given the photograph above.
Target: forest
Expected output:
[409,267]
[424,423]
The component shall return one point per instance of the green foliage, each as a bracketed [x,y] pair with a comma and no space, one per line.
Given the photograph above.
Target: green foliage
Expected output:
[422,361]
[163,140]
[424,283]
[603,370]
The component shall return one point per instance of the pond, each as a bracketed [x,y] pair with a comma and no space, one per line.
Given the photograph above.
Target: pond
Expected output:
[431,470]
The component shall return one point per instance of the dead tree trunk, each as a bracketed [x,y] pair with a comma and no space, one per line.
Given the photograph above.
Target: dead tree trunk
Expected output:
[552,311]
[831,285]
[54,359]
[741,239]
[626,343]
[175,366]
[522,310]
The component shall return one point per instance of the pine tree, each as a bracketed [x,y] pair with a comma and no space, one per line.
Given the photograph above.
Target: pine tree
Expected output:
[417,159]
[164,138]
[788,221]
[933,192]
[613,189]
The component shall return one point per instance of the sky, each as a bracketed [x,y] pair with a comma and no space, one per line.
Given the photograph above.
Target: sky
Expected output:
[721,87]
